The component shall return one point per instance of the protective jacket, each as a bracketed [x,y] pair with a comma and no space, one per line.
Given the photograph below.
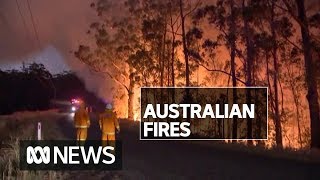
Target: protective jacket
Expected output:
[81,118]
[108,122]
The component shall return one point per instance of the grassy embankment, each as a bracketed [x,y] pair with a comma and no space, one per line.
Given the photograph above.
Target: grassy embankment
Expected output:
[22,126]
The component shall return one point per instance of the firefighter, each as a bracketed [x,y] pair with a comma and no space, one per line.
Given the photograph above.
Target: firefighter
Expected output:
[81,122]
[108,124]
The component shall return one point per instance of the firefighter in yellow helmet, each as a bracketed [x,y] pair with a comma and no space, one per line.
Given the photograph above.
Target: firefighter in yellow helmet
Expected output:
[81,122]
[108,124]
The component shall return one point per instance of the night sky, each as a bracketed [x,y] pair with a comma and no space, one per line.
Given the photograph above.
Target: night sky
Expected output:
[60,25]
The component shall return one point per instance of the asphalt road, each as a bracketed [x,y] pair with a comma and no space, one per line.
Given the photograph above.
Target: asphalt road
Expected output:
[184,160]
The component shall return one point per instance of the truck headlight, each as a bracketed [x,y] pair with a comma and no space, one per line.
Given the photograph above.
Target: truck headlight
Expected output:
[73,109]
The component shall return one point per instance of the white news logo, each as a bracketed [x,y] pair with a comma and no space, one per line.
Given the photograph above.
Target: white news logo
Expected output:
[69,154]
[44,155]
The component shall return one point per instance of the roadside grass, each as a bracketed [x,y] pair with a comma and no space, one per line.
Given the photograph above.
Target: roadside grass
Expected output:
[23,126]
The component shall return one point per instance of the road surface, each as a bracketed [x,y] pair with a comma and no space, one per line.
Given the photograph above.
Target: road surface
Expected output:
[184,160]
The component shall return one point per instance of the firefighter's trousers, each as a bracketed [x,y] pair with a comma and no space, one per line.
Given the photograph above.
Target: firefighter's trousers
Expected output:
[82,134]
[109,139]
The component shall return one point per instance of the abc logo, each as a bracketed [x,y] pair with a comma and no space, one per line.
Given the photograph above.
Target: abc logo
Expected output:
[32,155]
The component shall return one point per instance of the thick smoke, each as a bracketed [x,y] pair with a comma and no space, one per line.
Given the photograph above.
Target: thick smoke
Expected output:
[61,26]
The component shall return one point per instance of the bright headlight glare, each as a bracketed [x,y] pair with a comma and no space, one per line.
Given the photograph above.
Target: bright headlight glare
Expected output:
[73,108]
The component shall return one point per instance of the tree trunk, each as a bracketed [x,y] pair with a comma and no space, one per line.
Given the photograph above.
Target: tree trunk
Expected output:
[186,58]
[162,59]
[172,68]
[276,101]
[248,69]
[161,63]
[233,68]
[131,95]
[312,95]
[296,103]
[172,59]
[277,118]
[164,50]
[185,49]
[130,105]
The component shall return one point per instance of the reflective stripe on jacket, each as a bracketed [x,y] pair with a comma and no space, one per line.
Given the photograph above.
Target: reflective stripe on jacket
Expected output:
[81,126]
[108,133]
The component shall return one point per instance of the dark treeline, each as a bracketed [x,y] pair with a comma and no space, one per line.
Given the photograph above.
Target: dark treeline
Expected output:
[33,87]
